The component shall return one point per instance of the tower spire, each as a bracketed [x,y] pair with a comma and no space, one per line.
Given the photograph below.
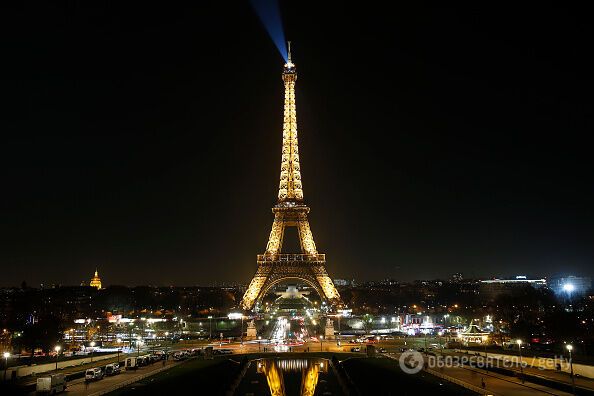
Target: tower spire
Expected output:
[290,188]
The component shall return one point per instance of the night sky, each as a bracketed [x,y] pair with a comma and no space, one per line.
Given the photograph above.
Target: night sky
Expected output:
[145,140]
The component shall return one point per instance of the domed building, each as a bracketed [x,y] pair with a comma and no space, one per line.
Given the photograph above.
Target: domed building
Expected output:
[95,280]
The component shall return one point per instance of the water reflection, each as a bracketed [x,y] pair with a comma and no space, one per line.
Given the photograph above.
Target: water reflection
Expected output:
[274,370]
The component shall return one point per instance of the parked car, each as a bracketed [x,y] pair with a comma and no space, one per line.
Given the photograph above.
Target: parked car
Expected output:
[112,369]
[355,349]
[144,360]
[382,350]
[93,374]
[179,355]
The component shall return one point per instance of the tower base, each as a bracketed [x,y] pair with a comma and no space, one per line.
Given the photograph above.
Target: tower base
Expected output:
[273,269]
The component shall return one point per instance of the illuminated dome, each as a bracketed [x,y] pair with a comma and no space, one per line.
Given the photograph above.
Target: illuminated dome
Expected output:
[96,281]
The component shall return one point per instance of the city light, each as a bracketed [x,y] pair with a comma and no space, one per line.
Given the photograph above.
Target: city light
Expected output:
[289,319]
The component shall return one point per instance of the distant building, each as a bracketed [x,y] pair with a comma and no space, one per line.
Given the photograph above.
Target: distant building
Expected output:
[472,335]
[95,281]
[520,279]
[492,288]
[457,277]
[570,285]
[343,282]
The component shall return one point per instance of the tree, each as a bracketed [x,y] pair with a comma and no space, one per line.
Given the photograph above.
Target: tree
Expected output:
[44,334]
[368,322]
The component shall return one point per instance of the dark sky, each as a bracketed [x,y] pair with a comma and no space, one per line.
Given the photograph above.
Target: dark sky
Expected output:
[145,140]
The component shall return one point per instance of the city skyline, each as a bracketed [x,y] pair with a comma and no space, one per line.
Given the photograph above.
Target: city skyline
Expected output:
[148,142]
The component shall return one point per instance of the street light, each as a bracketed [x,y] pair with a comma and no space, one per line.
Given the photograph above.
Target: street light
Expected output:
[57,349]
[570,348]
[130,324]
[485,338]
[521,365]
[138,345]
[166,345]
[338,339]
[92,350]
[210,327]
[119,341]
[6,356]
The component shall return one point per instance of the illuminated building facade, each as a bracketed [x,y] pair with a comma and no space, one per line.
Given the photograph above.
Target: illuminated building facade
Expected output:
[491,288]
[472,335]
[95,281]
[290,211]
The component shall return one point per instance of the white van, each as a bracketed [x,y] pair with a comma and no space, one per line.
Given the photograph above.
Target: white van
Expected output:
[51,384]
[131,363]
[93,374]
[112,369]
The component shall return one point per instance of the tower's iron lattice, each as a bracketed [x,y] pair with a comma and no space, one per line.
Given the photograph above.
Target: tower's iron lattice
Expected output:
[290,211]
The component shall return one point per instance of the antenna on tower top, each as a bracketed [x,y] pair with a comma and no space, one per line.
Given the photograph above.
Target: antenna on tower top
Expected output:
[289,51]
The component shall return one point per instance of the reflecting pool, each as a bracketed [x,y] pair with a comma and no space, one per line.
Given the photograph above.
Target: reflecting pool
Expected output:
[288,377]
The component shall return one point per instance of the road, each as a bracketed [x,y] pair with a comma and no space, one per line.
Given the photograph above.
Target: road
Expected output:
[28,381]
[80,387]
[557,376]
[497,384]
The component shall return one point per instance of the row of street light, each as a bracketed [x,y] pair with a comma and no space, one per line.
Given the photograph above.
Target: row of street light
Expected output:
[569,348]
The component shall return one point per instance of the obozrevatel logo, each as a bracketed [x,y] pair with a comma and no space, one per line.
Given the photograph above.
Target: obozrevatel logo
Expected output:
[411,362]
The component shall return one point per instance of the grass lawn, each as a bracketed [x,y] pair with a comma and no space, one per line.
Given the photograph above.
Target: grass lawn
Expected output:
[381,376]
[199,377]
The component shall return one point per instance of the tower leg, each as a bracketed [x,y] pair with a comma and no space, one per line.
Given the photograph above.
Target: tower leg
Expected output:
[305,236]
[275,240]
[255,288]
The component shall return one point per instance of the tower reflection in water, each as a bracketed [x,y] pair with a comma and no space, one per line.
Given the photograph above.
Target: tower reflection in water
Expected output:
[274,370]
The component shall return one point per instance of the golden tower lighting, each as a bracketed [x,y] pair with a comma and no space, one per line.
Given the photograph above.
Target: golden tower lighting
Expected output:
[95,280]
[290,211]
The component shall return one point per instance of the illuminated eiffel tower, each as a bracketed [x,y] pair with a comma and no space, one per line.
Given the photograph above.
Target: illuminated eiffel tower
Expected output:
[290,211]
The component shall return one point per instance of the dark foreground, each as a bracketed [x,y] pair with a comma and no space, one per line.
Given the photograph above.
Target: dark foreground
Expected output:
[326,373]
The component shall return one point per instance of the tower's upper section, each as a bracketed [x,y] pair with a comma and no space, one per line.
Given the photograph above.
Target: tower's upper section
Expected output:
[290,189]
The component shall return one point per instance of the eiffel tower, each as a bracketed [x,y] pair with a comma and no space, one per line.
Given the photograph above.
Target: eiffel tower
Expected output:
[290,211]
